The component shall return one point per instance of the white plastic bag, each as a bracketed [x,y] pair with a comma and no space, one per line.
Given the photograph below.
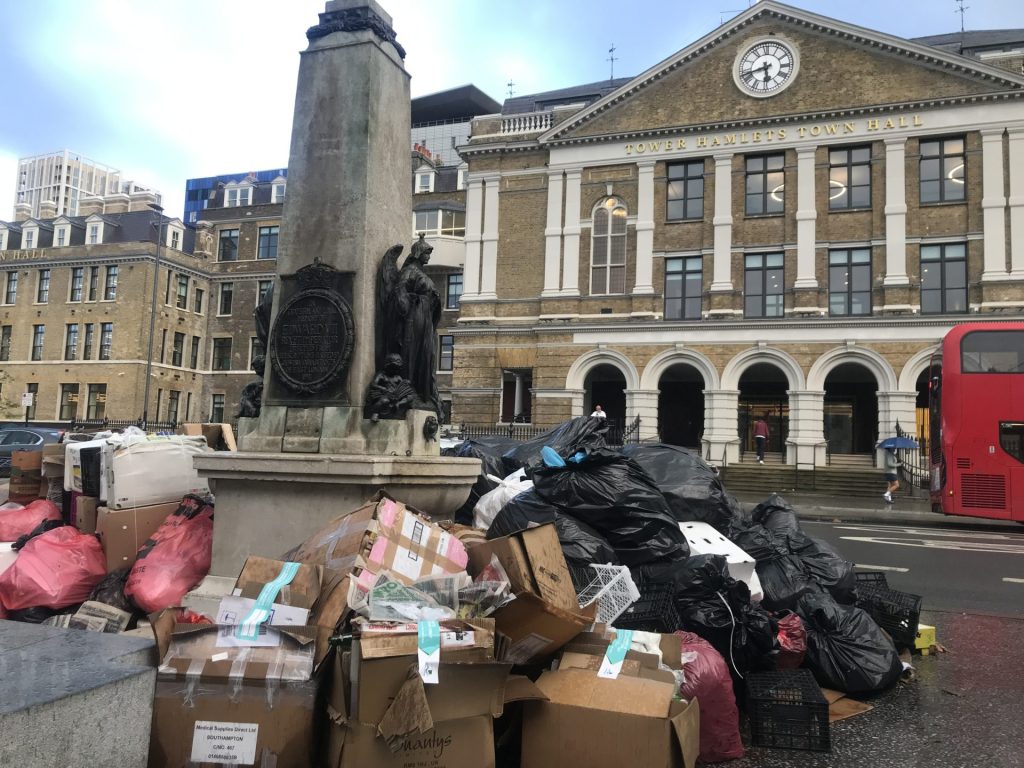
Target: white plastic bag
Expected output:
[491,503]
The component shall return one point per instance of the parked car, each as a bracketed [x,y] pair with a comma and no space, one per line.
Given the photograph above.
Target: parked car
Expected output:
[14,437]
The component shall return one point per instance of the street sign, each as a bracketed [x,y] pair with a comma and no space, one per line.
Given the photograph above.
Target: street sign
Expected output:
[26,399]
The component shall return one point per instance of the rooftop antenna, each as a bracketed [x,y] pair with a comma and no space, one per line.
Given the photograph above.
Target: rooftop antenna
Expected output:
[611,58]
[510,84]
[721,14]
[961,9]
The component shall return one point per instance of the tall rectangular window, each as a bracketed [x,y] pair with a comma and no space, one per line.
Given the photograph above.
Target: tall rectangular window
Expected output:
[38,336]
[71,342]
[228,249]
[608,249]
[163,345]
[194,356]
[77,282]
[94,282]
[110,284]
[255,349]
[94,234]
[197,305]
[217,409]
[11,289]
[87,345]
[849,178]
[221,354]
[446,359]
[278,193]
[43,292]
[267,248]
[173,398]
[849,281]
[68,402]
[943,279]
[262,286]
[226,292]
[62,237]
[96,404]
[33,389]
[683,288]
[943,171]
[685,191]
[763,285]
[178,350]
[30,239]
[454,291]
[5,343]
[182,300]
[175,240]
[167,287]
[106,340]
[188,407]
[765,184]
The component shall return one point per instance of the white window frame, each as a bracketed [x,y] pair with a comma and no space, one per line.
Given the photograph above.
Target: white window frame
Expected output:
[29,237]
[420,175]
[62,236]
[242,194]
[278,191]
[463,179]
[610,204]
[3,239]
[174,238]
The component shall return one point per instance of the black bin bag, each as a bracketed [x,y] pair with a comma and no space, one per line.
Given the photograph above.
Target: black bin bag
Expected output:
[489,450]
[613,495]
[580,434]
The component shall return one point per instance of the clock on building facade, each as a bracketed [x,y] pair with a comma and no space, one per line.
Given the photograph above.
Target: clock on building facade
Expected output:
[765,66]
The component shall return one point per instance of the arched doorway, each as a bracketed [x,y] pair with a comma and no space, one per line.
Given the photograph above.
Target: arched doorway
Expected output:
[763,393]
[605,385]
[851,409]
[681,406]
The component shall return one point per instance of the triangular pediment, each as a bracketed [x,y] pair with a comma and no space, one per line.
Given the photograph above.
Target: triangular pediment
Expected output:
[841,68]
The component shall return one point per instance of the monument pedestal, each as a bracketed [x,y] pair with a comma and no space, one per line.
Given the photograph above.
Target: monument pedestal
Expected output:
[269,502]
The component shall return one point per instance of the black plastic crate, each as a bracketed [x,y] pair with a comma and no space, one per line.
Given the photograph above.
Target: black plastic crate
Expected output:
[898,613]
[871,578]
[787,710]
[653,612]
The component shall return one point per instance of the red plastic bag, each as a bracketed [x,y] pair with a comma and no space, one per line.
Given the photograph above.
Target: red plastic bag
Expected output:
[174,559]
[708,680]
[792,642]
[16,520]
[54,570]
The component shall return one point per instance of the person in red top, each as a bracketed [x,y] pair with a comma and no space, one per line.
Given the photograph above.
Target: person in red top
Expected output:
[760,438]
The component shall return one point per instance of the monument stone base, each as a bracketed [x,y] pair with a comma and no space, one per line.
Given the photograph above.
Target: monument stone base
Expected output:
[269,502]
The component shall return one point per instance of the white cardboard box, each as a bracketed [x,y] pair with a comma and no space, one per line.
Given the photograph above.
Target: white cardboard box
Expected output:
[705,540]
[143,472]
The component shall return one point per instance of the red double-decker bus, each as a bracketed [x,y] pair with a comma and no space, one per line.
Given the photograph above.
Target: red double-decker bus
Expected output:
[976,413]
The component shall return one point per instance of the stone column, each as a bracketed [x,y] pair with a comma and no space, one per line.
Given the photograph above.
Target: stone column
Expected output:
[577,396]
[806,214]
[805,445]
[1016,202]
[643,403]
[645,228]
[553,235]
[571,232]
[489,250]
[895,213]
[993,205]
[518,407]
[893,407]
[474,215]
[722,275]
[721,431]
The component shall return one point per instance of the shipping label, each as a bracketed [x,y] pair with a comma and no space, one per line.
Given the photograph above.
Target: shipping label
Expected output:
[216,742]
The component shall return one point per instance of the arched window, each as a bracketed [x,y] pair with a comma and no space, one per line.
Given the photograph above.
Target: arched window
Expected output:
[608,248]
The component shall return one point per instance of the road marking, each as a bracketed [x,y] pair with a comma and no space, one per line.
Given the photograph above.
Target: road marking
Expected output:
[1013,581]
[962,546]
[882,568]
[932,532]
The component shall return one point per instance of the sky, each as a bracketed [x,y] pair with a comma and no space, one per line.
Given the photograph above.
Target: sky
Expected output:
[167,91]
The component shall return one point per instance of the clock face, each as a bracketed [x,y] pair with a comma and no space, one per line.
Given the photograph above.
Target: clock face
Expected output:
[765,67]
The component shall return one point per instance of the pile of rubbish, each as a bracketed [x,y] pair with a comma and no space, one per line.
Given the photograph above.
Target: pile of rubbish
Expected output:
[619,593]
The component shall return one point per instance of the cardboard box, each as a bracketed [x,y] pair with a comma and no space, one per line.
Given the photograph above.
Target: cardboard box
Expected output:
[123,531]
[217,435]
[26,476]
[83,471]
[84,514]
[545,614]
[53,460]
[143,472]
[705,540]
[465,743]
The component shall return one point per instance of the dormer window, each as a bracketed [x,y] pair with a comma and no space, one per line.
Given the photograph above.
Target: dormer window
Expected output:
[95,233]
[235,197]
[462,179]
[424,181]
[173,238]
[61,236]
[30,238]
[3,239]
[278,191]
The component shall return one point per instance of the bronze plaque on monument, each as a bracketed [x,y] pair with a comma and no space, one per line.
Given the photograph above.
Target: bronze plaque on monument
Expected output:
[312,337]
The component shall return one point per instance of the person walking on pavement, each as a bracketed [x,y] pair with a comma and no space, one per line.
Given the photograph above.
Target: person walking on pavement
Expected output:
[598,413]
[760,438]
[892,465]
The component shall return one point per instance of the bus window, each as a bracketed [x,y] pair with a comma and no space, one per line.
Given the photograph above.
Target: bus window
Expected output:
[1011,439]
[992,352]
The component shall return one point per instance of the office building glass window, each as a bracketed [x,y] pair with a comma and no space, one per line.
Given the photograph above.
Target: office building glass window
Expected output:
[849,178]
[943,171]
[5,343]
[943,279]
[765,184]
[763,281]
[173,398]
[197,305]
[71,342]
[68,402]
[446,360]
[11,288]
[38,336]
[262,286]
[94,282]
[43,291]
[222,354]
[683,288]
[267,243]
[110,284]
[849,281]
[217,409]
[182,299]
[228,248]
[87,344]
[194,356]
[454,291]
[77,283]
[608,248]
[178,350]
[96,402]
[226,292]
[106,340]
[685,191]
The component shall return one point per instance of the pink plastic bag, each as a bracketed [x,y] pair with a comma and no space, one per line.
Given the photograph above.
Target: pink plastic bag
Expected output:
[53,570]
[17,520]
[792,642]
[174,559]
[708,681]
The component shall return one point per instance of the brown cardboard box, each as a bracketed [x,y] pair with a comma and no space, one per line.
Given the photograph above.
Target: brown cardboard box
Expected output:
[123,531]
[215,434]
[465,743]
[26,476]
[85,514]
[604,723]
[545,614]
[53,460]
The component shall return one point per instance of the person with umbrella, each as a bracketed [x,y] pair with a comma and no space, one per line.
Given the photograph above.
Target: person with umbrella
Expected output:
[893,463]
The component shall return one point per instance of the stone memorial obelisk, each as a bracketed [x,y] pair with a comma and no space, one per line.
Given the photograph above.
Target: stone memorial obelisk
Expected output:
[317,450]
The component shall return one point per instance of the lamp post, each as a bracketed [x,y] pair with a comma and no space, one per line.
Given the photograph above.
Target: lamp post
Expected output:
[152,313]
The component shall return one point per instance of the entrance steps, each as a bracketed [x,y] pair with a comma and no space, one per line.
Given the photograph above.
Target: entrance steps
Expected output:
[838,481]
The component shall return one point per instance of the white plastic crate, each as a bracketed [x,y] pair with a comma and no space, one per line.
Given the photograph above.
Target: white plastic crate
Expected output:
[613,590]
[705,540]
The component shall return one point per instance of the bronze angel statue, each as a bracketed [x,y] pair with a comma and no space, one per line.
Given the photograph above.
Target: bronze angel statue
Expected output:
[410,308]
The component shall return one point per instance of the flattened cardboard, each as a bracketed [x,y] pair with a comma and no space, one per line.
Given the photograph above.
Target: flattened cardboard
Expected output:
[85,514]
[123,531]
